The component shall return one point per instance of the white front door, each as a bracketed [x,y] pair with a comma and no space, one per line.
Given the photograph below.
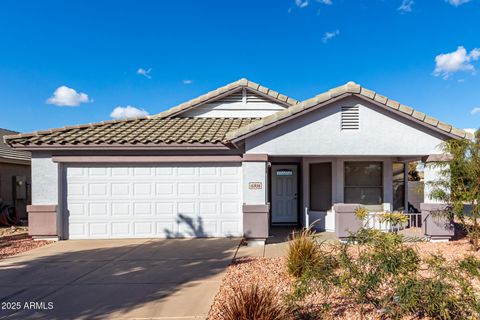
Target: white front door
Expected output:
[284,194]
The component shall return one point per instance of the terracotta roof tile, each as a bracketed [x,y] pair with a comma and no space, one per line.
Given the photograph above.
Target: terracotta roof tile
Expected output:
[140,131]
[7,152]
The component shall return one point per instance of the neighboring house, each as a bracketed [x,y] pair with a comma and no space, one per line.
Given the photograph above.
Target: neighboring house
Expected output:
[229,163]
[14,176]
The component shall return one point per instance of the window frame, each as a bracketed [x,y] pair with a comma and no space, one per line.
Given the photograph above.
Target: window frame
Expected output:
[381,187]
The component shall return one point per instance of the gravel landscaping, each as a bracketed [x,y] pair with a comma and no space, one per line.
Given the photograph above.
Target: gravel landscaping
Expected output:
[271,273]
[16,240]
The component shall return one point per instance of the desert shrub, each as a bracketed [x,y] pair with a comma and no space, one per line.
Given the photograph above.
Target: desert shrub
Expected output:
[379,270]
[470,265]
[361,213]
[303,252]
[318,277]
[370,236]
[380,257]
[394,219]
[445,292]
[253,303]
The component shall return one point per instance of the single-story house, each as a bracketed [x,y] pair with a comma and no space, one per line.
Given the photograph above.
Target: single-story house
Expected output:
[231,162]
[14,176]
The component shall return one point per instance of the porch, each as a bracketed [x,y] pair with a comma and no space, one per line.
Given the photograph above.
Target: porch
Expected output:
[302,191]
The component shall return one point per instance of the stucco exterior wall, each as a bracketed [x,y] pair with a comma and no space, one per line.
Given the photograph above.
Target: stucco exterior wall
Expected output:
[381,133]
[45,175]
[254,172]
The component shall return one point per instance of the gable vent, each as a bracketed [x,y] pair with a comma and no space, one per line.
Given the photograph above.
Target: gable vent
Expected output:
[350,118]
[252,97]
[232,98]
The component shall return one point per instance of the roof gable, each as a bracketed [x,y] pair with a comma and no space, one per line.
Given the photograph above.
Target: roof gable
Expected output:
[336,94]
[225,91]
[8,153]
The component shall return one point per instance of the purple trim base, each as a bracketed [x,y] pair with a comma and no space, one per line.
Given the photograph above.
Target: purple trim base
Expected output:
[42,220]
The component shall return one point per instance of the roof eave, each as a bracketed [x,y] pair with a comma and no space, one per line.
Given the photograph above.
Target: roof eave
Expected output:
[158,146]
[15,161]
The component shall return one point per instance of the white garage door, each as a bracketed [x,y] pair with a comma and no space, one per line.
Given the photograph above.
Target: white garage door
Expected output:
[192,200]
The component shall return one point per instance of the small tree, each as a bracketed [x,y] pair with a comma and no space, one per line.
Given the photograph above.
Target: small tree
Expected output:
[459,184]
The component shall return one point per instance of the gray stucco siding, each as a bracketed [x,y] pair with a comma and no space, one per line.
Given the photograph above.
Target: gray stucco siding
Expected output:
[381,133]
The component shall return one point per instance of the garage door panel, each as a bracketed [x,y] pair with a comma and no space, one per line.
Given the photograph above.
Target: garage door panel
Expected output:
[154,201]
[186,189]
[121,209]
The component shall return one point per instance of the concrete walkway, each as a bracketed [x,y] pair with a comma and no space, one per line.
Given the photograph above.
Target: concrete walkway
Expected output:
[277,244]
[115,279]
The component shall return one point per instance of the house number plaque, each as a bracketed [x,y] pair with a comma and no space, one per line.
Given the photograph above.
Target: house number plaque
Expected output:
[254,185]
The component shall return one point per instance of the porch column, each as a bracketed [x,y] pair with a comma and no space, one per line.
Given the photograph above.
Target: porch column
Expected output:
[255,198]
[43,218]
[436,226]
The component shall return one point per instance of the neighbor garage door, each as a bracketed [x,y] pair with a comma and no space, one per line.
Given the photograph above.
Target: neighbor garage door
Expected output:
[193,200]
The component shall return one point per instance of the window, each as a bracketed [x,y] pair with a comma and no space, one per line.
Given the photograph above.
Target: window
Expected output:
[398,186]
[284,172]
[363,183]
[321,186]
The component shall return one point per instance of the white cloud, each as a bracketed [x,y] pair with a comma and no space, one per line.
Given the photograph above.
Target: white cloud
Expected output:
[328,2]
[329,35]
[145,72]
[187,81]
[301,4]
[472,131]
[406,6]
[475,110]
[447,64]
[128,112]
[456,3]
[65,96]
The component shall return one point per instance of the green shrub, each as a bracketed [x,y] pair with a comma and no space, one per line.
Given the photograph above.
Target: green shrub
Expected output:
[379,258]
[361,213]
[379,270]
[394,219]
[253,303]
[471,265]
[303,252]
[445,293]
[375,237]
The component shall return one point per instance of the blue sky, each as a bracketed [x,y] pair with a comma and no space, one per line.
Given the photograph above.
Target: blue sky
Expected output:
[152,55]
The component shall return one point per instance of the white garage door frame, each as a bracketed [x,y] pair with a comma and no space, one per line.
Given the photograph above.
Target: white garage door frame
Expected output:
[143,200]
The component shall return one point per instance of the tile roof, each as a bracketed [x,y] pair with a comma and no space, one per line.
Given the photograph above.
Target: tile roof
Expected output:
[169,129]
[234,86]
[350,88]
[7,152]
[138,131]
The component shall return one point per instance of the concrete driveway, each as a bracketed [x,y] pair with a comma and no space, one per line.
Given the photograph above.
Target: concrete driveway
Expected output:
[118,279]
